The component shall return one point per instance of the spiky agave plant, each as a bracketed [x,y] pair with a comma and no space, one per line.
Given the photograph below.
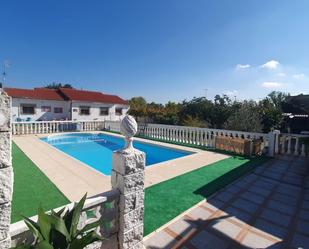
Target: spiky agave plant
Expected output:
[58,230]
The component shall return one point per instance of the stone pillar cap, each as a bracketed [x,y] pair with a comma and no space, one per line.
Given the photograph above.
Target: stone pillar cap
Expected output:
[128,128]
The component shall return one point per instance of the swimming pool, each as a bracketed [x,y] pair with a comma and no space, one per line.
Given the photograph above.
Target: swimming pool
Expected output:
[96,150]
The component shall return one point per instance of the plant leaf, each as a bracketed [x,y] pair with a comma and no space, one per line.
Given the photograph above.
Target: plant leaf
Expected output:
[59,213]
[85,240]
[44,223]
[34,228]
[76,212]
[23,247]
[44,245]
[59,224]
[90,226]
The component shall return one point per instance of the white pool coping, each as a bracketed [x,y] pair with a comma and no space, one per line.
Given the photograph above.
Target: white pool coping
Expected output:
[73,178]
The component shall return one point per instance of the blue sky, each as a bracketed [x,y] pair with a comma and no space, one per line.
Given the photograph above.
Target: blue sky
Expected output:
[162,50]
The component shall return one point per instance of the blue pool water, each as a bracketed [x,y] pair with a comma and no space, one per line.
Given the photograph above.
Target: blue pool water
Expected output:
[96,150]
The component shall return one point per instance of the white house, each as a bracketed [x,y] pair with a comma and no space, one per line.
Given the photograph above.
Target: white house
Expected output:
[41,104]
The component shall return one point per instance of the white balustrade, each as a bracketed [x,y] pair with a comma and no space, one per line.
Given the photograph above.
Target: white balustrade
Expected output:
[291,144]
[280,143]
[39,127]
[191,135]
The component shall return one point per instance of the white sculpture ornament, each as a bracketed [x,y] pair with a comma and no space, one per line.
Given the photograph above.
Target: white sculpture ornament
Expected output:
[128,128]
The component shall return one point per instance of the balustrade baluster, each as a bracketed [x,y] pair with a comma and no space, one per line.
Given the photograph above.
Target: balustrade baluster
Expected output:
[289,145]
[283,145]
[296,150]
[277,143]
[303,150]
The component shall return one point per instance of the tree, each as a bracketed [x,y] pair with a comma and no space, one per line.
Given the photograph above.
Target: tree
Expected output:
[56,85]
[221,111]
[171,113]
[246,118]
[198,109]
[270,109]
[138,107]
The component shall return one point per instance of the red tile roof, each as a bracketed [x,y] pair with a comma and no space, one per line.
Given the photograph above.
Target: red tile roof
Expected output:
[36,93]
[91,96]
[64,94]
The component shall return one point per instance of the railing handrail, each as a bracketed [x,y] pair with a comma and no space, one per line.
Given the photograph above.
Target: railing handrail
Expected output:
[294,135]
[20,226]
[57,121]
[207,129]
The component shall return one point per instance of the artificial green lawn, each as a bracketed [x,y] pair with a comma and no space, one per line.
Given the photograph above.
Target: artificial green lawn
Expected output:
[166,200]
[31,188]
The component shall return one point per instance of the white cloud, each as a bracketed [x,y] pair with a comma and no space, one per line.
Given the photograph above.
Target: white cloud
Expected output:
[299,76]
[272,84]
[281,74]
[242,66]
[272,64]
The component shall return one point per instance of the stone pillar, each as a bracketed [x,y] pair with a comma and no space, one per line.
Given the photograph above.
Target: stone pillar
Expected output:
[6,172]
[128,177]
[273,143]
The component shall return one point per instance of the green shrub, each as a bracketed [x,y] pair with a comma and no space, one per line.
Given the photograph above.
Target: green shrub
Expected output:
[58,230]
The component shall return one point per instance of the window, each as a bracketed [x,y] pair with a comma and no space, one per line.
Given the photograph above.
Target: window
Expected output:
[27,108]
[118,111]
[45,109]
[84,110]
[58,110]
[104,111]
[75,110]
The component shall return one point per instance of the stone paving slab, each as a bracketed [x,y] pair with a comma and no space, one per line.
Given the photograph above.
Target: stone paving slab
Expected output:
[259,210]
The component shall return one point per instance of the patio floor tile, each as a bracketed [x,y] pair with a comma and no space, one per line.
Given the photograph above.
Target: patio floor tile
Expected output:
[284,208]
[260,191]
[207,240]
[182,226]
[215,203]
[199,213]
[224,196]
[303,226]
[239,214]
[245,205]
[304,214]
[227,228]
[249,196]
[241,184]
[275,217]
[233,189]
[270,228]
[255,241]
[300,241]
[160,240]
[291,200]
[306,205]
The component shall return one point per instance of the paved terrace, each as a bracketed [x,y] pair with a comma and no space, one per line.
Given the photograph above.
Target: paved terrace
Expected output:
[267,209]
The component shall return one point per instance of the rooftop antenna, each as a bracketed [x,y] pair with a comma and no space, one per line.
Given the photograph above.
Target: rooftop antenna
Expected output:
[6,65]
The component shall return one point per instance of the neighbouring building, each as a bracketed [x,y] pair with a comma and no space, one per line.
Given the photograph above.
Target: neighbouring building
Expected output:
[296,113]
[41,104]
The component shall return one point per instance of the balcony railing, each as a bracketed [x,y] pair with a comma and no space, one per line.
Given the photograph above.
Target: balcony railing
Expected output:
[272,143]
[38,127]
